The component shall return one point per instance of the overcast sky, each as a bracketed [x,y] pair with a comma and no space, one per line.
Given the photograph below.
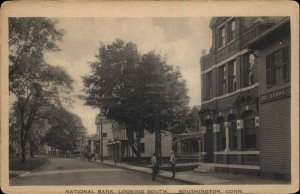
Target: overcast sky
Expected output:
[180,39]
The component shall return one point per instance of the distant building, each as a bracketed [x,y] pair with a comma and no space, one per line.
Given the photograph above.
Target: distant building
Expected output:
[187,145]
[106,125]
[119,148]
[245,104]
[90,144]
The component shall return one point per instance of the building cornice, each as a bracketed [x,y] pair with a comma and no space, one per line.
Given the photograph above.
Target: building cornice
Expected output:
[232,57]
[232,93]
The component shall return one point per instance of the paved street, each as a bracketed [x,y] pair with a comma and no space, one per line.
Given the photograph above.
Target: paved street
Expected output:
[66,171]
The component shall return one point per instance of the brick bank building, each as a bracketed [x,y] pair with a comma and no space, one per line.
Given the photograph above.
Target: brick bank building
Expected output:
[245,97]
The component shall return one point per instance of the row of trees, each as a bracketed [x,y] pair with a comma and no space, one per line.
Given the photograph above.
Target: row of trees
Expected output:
[138,91]
[38,91]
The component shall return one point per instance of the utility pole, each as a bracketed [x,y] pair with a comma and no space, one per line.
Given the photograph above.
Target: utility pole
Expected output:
[157,139]
[99,123]
[101,137]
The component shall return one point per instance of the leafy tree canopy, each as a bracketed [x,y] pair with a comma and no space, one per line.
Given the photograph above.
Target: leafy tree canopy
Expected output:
[36,85]
[136,90]
[66,130]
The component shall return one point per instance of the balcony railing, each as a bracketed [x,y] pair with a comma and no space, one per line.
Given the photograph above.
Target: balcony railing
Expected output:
[253,32]
[207,61]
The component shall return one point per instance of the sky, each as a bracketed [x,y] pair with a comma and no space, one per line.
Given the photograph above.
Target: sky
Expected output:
[181,40]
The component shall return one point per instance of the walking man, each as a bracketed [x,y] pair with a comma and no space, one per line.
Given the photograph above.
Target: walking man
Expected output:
[173,162]
[154,166]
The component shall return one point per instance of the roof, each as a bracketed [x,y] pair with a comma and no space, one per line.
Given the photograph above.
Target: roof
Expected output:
[283,27]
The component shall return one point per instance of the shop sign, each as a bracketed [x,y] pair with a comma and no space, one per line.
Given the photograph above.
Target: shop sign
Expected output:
[216,128]
[275,95]
[239,124]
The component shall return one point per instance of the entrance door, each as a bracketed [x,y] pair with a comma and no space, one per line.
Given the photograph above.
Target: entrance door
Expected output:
[209,144]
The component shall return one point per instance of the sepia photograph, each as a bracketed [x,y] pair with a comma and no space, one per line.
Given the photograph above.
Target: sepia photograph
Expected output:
[114,103]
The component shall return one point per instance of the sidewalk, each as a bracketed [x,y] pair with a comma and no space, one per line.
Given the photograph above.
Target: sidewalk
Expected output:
[207,178]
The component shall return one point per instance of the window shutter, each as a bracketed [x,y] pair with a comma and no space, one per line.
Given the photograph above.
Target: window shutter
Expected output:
[285,63]
[268,70]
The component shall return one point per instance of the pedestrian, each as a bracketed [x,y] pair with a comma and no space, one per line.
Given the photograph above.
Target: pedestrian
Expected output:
[173,163]
[154,166]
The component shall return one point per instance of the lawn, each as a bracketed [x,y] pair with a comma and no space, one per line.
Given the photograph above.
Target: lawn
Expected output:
[30,164]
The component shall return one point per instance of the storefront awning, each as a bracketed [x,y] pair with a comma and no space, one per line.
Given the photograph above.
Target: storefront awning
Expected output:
[114,142]
[183,137]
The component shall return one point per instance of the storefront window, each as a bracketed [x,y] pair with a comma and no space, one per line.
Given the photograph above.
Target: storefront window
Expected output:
[184,147]
[194,146]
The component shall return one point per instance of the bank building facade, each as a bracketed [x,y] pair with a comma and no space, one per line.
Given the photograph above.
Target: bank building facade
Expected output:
[245,97]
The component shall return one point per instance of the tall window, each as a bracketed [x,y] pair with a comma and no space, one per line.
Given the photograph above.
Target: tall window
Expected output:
[233,132]
[221,135]
[248,70]
[232,76]
[277,66]
[221,37]
[249,131]
[230,30]
[209,86]
[251,69]
[222,80]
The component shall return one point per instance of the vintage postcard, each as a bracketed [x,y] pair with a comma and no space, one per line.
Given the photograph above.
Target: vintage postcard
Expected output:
[149,97]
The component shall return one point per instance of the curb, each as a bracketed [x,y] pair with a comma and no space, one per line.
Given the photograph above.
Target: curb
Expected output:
[164,176]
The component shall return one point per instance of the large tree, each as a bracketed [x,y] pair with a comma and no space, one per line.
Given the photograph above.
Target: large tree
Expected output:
[66,130]
[34,83]
[193,119]
[138,91]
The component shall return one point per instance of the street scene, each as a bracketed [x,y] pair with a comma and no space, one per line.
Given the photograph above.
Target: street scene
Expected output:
[149,101]
[65,171]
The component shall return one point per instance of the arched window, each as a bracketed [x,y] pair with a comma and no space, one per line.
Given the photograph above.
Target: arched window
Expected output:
[232,132]
[221,136]
[249,131]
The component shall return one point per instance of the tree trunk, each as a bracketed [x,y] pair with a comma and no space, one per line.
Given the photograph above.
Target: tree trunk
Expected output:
[23,146]
[31,149]
[138,153]
[132,142]
[23,150]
